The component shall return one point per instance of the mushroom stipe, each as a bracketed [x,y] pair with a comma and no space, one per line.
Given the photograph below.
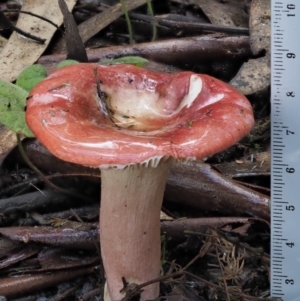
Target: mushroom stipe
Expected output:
[132,123]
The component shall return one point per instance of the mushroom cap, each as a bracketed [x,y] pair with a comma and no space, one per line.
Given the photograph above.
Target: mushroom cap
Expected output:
[120,115]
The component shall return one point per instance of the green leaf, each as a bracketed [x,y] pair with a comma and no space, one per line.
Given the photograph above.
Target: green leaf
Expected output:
[66,63]
[12,108]
[132,60]
[30,76]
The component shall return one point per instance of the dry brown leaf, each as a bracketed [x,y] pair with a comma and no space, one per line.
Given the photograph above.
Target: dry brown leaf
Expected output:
[8,140]
[254,76]
[93,25]
[20,52]
[231,13]
[2,43]
[165,217]
[260,26]
[263,158]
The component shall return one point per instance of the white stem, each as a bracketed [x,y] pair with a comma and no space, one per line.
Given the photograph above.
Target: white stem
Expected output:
[131,200]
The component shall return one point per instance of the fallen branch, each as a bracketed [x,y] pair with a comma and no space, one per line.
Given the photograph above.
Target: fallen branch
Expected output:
[173,51]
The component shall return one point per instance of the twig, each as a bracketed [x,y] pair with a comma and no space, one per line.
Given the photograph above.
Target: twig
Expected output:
[101,267]
[31,181]
[196,27]
[33,15]
[185,50]
[138,288]
[187,25]
[192,261]
[78,218]
[6,23]
[35,169]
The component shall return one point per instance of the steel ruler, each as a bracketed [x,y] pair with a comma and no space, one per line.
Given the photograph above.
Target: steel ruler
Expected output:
[285,149]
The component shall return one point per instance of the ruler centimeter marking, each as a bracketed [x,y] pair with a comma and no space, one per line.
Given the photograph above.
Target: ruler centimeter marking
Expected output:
[285,149]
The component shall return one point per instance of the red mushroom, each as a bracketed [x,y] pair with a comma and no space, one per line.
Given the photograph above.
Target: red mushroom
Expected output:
[132,123]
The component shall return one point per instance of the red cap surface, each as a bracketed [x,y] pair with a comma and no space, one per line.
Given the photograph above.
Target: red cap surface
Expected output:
[120,115]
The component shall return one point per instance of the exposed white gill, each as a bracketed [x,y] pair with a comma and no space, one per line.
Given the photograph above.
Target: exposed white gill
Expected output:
[212,99]
[100,145]
[59,95]
[151,162]
[195,88]
[42,99]
[137,109]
